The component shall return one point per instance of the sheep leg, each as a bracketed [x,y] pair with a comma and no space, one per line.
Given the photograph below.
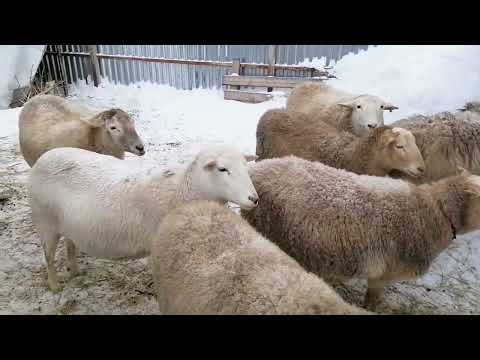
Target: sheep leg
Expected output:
[375,292]
[72,265]
[50,242]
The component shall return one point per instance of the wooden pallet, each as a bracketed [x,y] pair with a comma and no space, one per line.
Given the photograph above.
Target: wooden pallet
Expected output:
[236,79]
[247,96]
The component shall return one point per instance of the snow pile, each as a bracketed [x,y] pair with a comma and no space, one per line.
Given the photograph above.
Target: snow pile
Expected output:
[9,122]
[318,63]
[417,78]
[166,115]
[18,64]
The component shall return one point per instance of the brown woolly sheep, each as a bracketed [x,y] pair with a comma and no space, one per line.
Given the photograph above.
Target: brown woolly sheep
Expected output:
[357,114]
[447,141]
[282,132]
[208,260]
[47,122]
[337,224]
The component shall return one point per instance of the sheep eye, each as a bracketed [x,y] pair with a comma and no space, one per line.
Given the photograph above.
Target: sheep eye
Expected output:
[222,169]
[359,106]
[381,107]
[399,147]
[113,128]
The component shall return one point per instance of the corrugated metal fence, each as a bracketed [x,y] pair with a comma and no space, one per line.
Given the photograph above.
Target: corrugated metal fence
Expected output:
[75,65]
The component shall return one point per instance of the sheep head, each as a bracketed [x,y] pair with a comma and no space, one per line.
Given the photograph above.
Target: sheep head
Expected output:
[221,174]
[120,128]
[399,151]
[366,112]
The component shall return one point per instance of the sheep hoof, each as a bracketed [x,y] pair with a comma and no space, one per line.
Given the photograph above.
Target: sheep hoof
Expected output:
[371,302]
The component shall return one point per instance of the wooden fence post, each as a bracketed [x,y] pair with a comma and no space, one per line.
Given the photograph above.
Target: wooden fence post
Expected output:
[62,69]
[272,59]
[235,70]
[94,66]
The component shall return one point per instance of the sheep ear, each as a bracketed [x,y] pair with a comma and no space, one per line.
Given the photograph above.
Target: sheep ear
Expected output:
[108,114]
[96,121]
[210,164]
[251,157]
[100,119]
[389,107]
[349,105]
[462,171]
[392,138]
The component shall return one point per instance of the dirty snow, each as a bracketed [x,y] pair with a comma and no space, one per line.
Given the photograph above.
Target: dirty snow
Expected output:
[175,124]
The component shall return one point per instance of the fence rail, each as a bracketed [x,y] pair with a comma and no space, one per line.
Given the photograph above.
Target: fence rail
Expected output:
[185,66]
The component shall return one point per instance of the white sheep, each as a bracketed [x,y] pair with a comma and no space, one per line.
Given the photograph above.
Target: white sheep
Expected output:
[207,260]
[47,122]
[109,208]
[337,224]
[357,114]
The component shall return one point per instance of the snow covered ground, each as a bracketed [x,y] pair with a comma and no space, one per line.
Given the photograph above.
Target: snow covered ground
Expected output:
[175,124]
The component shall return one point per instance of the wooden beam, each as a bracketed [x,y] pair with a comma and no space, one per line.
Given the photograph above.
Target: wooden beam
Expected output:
[63,69]
[272,59]
[246,96]
[265,81]
[94,66]
[227,64]
[235,70]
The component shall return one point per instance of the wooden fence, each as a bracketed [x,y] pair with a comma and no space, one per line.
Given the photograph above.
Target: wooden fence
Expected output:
[94,62]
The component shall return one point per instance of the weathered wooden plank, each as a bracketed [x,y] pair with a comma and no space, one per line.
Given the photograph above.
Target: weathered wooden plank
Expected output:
[235,70]
[265,81]
[63,70]
[295,68]
[246,96]
[94,67]
[272,59]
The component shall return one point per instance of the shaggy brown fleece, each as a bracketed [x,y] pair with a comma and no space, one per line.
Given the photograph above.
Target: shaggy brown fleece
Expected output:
[447,141]
[342,225]
[282,132]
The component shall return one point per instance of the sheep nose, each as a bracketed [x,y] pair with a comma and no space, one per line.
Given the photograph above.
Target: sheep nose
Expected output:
[421,169]
[254,199]
[140,148]
[372,126]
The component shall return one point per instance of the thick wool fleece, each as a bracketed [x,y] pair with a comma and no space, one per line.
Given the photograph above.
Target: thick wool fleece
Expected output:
[342,225]
[447,141]
[208,260]
[281,133]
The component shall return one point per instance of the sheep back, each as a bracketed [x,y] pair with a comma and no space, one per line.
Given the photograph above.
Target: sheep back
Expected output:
[208,260]
[282,132]
[339,224]
[47,122]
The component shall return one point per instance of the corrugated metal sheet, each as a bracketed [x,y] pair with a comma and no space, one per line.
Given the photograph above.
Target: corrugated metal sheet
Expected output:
[180,75]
